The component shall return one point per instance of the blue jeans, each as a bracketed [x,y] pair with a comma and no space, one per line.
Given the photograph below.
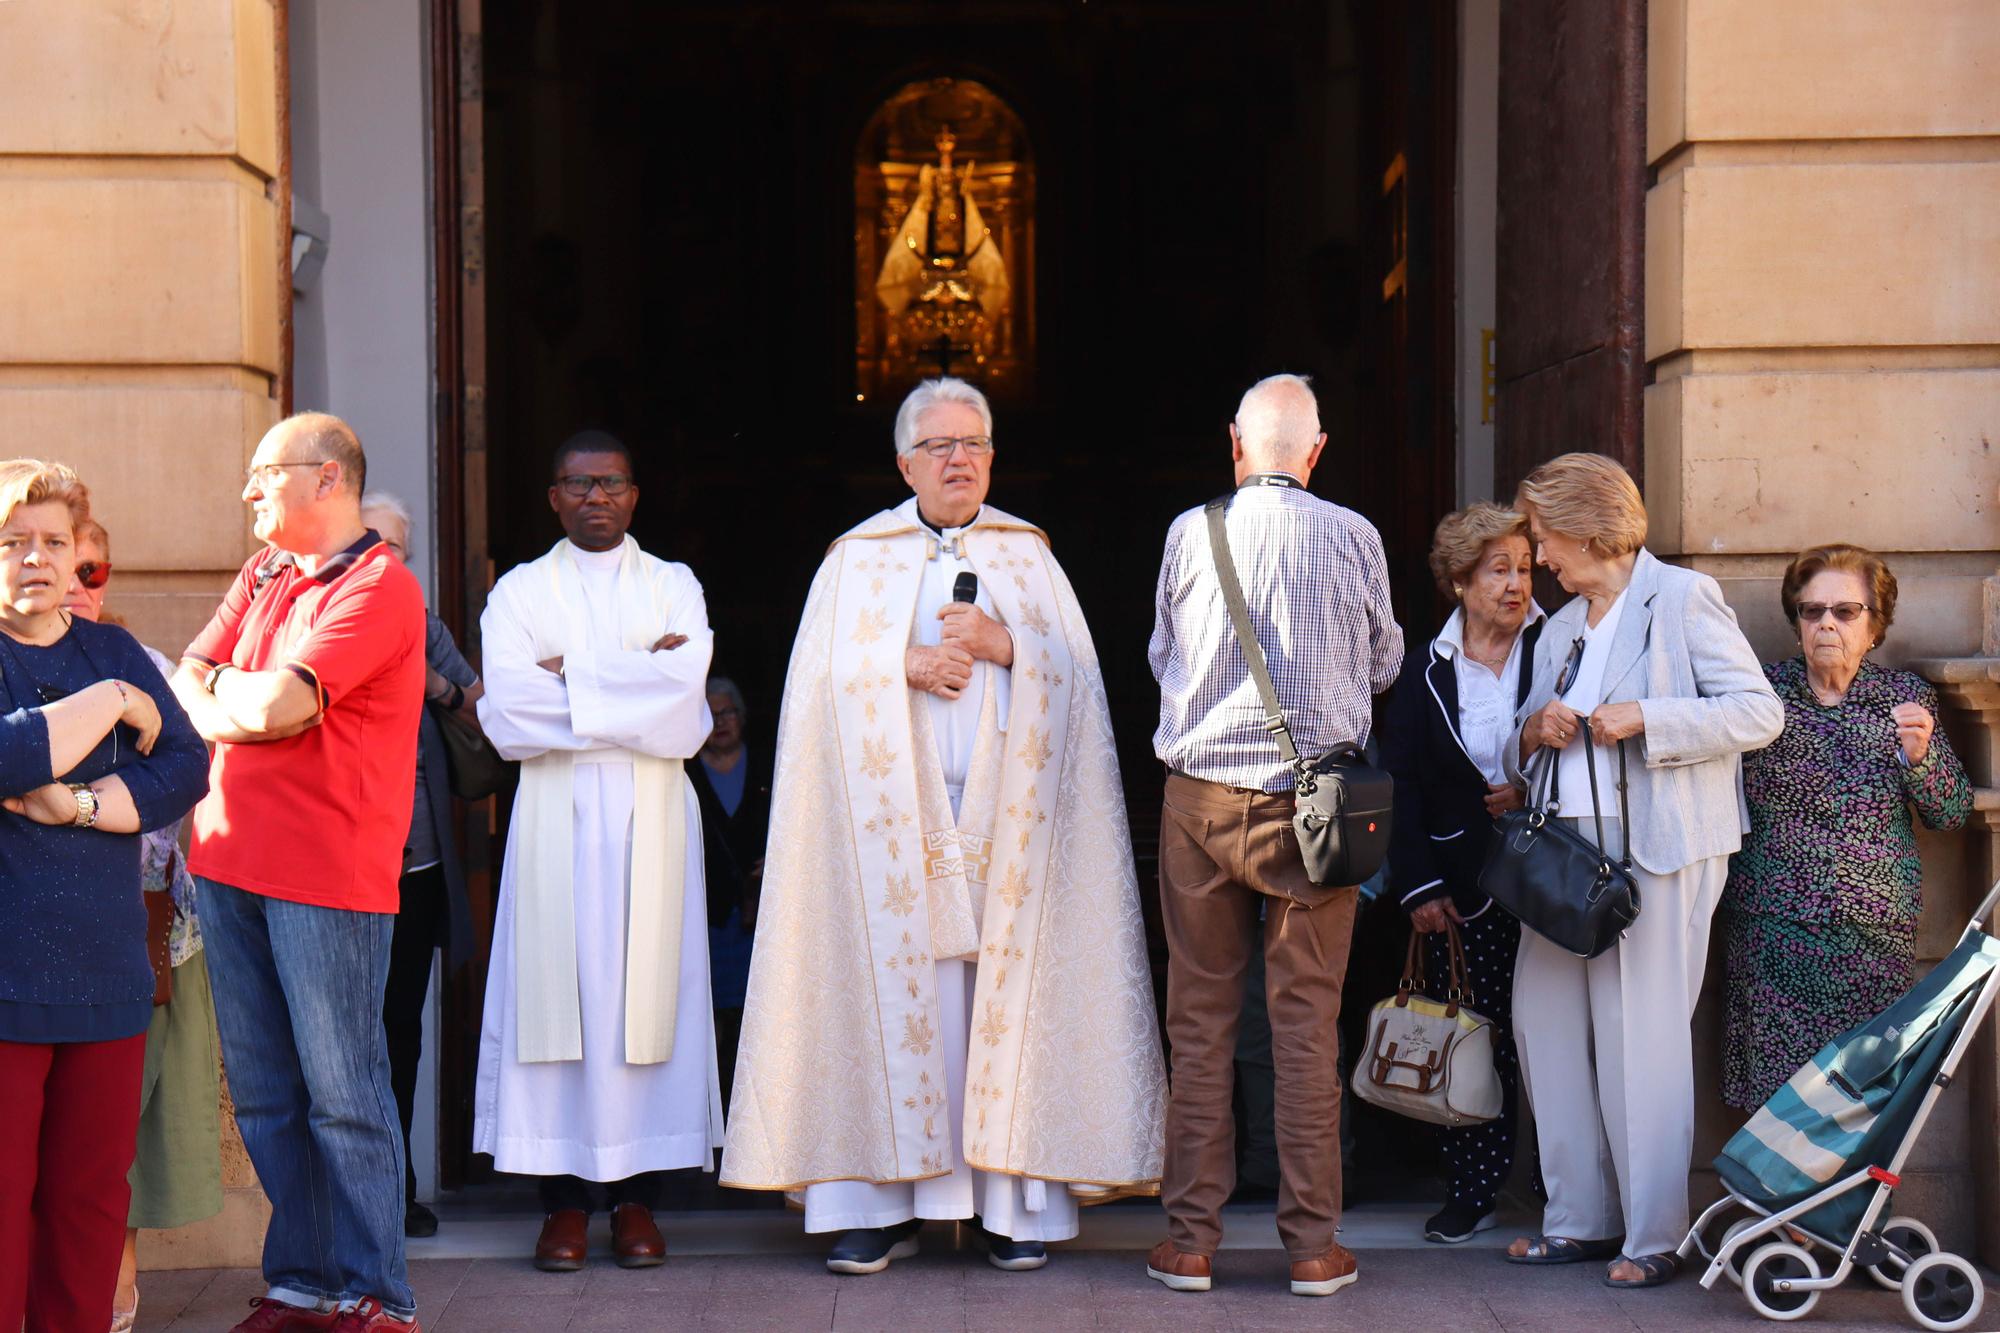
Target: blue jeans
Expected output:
[298,1002]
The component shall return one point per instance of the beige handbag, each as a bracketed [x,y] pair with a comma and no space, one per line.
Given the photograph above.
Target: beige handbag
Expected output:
[1429,1060]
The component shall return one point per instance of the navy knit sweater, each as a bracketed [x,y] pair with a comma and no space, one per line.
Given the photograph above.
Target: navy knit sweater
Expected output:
[75,968]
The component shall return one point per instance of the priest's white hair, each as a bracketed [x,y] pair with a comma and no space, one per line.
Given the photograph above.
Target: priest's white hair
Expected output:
[1278,420]
[383,502]
[934,393]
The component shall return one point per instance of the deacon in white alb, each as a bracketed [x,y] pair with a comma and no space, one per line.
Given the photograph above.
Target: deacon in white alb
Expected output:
[950,1013]
[597,1056]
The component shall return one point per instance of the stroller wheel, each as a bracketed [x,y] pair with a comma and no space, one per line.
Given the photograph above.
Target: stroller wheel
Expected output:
[1912,1238]
[1767,1279]
[1943,1292]
[1734,1268]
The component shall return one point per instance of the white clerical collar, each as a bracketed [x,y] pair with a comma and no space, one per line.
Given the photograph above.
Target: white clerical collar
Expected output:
[911,510]
[1450,641]
[596,559]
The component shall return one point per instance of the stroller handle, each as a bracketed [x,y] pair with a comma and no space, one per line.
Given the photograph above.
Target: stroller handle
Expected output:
[1985,909]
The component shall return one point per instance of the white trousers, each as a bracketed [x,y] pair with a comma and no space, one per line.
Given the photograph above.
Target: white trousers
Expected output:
[1011,1206]
[1607,1060]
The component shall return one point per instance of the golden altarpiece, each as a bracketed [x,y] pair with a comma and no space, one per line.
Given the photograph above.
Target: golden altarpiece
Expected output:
[944,241]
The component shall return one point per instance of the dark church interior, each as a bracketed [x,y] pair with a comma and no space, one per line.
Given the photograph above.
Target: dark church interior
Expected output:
[685,203]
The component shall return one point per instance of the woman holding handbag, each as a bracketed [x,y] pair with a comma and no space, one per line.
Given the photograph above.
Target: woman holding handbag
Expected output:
[1451,712]
[1645,663]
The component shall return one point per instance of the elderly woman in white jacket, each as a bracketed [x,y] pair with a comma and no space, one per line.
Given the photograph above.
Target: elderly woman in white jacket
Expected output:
[1651,655]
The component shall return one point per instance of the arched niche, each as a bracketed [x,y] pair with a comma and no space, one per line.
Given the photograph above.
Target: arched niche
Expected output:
[944,241]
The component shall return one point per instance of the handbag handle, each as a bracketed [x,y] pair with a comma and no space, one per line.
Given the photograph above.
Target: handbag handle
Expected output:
[1458,984]
[1553,805]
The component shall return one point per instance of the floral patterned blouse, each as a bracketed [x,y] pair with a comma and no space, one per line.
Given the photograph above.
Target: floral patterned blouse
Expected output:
[1830,834]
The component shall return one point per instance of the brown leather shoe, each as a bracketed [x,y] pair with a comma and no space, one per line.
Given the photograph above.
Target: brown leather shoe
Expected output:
[634,1239]
[564,1241]
[1325,1275]
[1177,1269]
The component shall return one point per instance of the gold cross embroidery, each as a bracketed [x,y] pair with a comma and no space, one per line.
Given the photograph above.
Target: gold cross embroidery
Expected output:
[1027,814]
[908,963]
[867,685]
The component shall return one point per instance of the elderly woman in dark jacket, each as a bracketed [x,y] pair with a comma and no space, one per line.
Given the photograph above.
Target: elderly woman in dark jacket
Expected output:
[1819,916]
[89,759]
[1451,711]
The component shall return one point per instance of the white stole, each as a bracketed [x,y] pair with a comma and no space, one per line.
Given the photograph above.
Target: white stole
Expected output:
[549,1018]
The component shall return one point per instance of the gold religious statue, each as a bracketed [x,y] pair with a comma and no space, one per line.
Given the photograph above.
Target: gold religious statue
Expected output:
[946,244]
[944,276]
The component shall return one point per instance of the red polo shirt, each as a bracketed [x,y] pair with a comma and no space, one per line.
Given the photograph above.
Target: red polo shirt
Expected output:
[320,817]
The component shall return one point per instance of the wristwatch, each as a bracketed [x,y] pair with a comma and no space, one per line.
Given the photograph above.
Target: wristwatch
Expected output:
[86,805]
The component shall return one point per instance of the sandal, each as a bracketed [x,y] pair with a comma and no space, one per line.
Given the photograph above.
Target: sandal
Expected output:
[1562,1250]
[1658,1268]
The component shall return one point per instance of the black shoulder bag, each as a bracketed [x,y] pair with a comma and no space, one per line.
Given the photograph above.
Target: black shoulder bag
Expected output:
[1343,801]
[1544,872]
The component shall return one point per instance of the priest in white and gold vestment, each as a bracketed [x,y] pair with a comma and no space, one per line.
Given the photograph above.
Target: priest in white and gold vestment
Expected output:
[950,1013]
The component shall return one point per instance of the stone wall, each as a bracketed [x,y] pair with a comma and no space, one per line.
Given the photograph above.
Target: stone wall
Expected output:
[141,309]
[1822,326]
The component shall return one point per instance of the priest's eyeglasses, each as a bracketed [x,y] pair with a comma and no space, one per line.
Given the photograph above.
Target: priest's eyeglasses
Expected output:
[941,446]
[1811,613]
[579,484]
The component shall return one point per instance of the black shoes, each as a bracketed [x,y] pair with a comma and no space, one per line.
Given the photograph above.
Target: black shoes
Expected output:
[418,1220]
[1456,1223]
[870,1249]
[1015,1256]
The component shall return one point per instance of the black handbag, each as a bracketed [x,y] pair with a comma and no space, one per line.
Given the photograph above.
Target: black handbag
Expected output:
[1342,820]
[1544,872]
[477,770]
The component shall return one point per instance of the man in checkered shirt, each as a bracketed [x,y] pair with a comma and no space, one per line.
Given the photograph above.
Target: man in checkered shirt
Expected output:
[1317,586]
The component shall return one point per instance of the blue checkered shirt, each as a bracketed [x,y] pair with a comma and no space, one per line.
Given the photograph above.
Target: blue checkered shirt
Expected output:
[1317,586]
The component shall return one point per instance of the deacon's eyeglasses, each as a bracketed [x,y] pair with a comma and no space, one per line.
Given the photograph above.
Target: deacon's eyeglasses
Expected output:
[1811,613]
[613,484]
[93,574]
[941,446]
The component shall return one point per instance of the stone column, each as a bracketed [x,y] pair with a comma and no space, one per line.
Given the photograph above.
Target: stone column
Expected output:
[141,306]
[1823,333]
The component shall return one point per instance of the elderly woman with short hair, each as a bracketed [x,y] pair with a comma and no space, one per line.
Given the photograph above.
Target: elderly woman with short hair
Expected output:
[94,751]
[1649,655]
[1449,717]
[1819,917]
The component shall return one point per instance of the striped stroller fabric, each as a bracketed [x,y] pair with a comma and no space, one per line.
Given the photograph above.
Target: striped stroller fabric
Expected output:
[1851,1106]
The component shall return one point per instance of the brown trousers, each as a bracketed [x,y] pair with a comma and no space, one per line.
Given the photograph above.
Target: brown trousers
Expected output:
[1222,850]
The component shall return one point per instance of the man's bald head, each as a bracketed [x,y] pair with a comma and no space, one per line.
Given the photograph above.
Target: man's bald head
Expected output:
[1277,424]
[325,438]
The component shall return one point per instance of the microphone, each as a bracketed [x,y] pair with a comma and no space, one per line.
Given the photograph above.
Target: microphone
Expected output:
[966,587]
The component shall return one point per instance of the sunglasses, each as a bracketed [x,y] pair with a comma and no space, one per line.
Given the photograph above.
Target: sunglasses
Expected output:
[93,574]
[1567,676]
[1811,613]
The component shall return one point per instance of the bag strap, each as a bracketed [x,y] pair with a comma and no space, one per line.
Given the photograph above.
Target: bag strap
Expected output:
[1461,971]
[1413,969]
[1597,806]
[1246,633]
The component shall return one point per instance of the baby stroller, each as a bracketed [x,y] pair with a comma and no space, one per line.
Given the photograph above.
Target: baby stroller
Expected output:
[1816,1165]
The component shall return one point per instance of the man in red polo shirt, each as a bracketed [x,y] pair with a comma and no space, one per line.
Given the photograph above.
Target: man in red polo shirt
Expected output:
[310,682]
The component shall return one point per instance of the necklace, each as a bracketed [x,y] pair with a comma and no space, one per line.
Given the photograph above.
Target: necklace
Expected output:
[48,693]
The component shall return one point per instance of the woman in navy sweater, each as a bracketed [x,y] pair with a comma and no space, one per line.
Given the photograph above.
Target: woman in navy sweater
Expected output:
[88,761]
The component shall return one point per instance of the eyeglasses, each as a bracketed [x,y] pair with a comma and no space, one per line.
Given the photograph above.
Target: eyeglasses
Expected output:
[266,473]
[1811,613]
[1567,676]
[613,484]
[726,714]
[93,574]
[941,446]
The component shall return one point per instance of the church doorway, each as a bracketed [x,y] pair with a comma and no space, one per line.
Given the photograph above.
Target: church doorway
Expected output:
[680,222]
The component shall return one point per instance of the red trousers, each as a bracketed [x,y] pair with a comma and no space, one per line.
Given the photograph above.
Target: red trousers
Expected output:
[69,1120]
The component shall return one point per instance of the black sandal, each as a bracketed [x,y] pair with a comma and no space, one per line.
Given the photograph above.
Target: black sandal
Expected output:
[1658,1269]
[1562,1250]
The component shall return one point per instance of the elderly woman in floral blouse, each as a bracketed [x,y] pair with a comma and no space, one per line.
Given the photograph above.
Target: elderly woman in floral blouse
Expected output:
[1820,912]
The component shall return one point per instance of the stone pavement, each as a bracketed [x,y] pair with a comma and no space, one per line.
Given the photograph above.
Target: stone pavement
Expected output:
[1427,1290]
